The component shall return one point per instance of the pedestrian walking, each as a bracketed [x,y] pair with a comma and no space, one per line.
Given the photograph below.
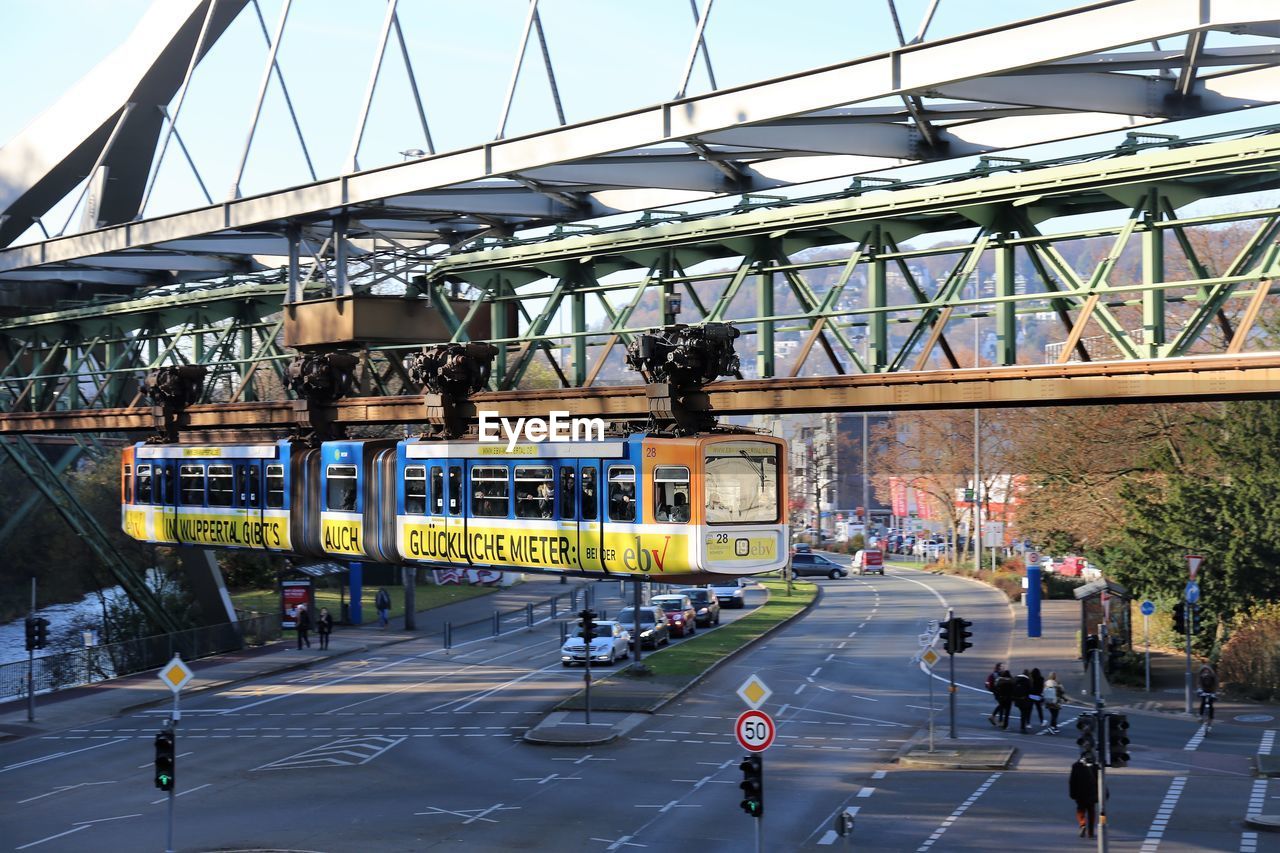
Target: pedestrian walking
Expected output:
[1053,696]
[1083,787]
[991,688]
[1037,692]
[302,621]
[1022,697]
[324,627]
[1004,697]
[383,603]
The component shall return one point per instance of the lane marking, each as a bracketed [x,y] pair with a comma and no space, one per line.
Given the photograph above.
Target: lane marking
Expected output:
[51,837]
[1268,741]
[831,835]
[1196,739]
[948,822]
[1161,821]
[105,819]
[1257,797]
[45,758]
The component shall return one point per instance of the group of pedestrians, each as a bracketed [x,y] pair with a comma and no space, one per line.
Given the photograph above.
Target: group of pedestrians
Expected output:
[324,622]
[1028,691]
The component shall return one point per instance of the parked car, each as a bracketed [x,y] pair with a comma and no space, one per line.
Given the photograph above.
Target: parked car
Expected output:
[802,548]
[680,613]
[654,629]
[610,643]
[729,594]
[869,561]
[930,549]
[1071,567]
[706,605]
[816,565]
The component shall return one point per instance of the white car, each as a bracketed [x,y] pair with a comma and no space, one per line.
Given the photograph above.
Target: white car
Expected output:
[730,594]
[610,643]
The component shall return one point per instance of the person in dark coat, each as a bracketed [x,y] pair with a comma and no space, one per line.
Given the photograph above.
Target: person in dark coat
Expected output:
[1083,787]
[383,603]
[1004,697]
[991,687]
[1037,692]
[324,627]
[302,621]
[1022,697]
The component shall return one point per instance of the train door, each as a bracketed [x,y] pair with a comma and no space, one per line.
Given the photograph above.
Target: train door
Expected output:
[380,509]
[590,516]
[165,475]
[456,510]
[249,497]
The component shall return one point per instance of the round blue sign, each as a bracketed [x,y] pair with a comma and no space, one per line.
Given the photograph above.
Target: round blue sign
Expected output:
[1193,592]
[1148,608]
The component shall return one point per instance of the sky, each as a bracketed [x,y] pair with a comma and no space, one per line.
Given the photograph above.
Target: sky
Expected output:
[608,55]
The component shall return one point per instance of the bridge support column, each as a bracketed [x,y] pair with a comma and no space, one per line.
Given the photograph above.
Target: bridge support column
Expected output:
[204,579]
[355,587]
[1153,301]
[1006,318]
[764,330]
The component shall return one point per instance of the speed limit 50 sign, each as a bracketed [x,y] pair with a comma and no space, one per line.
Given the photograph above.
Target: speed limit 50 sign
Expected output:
[755,730]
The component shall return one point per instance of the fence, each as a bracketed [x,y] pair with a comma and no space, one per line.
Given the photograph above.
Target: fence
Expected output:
[112,660]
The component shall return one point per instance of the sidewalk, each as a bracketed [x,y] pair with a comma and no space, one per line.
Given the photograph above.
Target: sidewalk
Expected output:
[79,706]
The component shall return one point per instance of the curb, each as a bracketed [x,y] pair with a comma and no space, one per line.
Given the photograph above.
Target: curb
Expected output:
[955,759]
[1265,822]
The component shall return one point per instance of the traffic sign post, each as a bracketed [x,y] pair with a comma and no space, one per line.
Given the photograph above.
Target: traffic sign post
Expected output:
[1148,608]
[1034,628]
[1194,562]
[176,675]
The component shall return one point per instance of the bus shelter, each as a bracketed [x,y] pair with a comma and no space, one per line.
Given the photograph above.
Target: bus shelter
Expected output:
[1104,602]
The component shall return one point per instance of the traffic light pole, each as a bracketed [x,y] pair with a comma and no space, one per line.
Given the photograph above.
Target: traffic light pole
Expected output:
[31,661]
[1187,619]
[1103,742]
[951,689]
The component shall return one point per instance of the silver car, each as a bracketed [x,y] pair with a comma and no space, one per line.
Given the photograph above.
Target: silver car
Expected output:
[730,595]
[610,643]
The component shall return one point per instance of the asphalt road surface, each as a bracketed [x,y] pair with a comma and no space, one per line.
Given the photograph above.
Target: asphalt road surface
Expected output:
[418,749]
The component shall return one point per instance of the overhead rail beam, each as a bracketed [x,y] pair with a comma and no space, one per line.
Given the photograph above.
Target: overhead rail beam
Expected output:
[979,92]
[1219,377]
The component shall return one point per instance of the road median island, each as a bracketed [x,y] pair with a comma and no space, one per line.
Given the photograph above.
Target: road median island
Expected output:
[957,757]
[675,669]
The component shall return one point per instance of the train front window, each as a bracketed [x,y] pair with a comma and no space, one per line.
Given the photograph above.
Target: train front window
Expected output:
[742,483]
[671,494]
[415,490]
[275,486]
[143,492]
[622,493]
[221,485]
[534,492]
[341,493]
[191,478]
[489,492]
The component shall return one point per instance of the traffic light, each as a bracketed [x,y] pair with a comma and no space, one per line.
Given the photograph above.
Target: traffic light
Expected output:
[960,636]
[1195,618]
[1088,740]
[752,785]
[588,623]
[948,645]
[165,760]
[1117,740]
[1180,617]
[42,632]
[31,633]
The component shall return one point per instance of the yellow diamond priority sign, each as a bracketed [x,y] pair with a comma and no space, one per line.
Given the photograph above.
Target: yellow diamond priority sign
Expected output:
[929,656]
[754,692]
[176,674]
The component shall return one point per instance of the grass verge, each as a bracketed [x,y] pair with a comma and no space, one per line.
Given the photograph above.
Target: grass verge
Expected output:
[426,596]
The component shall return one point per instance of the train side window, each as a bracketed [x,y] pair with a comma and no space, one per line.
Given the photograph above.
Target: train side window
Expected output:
[128,484]
[589,492]
[535,495]
[221,485]
[415,490]
[622,493]
[437,491]
[455,490]
[671,494]
[192,481]
[275,486]
[143,492]
[171,485]
[567,488]
[489,492]
[341,493]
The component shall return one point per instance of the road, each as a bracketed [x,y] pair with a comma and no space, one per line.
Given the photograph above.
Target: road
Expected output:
[415,748]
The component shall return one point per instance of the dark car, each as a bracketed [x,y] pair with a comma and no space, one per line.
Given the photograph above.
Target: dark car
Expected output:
[816,565]
[680,612]
[802,548]
[706,605]
[654,629]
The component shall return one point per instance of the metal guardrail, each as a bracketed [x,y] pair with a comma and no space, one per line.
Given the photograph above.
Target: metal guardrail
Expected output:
[113,660]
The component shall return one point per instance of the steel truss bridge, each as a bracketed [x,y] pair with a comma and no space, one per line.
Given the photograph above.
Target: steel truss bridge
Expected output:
[1102,274]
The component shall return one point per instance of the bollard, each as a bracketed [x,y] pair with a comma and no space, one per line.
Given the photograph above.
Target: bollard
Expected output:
[528,616]
[497,623]
[573,600]
[554,603]
[564,632]
[448,635]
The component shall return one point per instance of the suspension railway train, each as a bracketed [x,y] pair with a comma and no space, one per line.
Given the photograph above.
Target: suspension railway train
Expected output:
[668,507]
